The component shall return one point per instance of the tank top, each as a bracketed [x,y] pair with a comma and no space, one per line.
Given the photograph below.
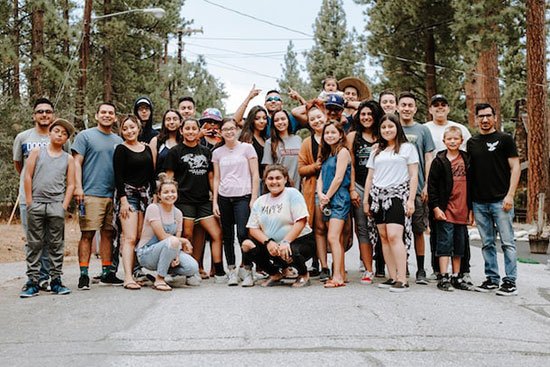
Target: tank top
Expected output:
[49,181]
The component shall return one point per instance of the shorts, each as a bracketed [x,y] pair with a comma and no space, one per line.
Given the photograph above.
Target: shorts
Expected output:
[420,216]
[395,214]
[99,214]
[196,212]
[134,202]
[451,238]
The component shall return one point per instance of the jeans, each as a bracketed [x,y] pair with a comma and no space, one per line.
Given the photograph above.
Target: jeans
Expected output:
[233,211]
[158,256]
[44,259]
[490,217]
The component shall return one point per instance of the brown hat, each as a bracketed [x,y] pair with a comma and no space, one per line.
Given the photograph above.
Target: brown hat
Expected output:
[64,123]
[363,91]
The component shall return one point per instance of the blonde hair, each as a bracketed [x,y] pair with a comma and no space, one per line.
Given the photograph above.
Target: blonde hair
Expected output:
[164,180]
[453,129]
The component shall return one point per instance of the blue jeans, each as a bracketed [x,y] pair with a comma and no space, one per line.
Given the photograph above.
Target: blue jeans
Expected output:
[44,258]
[158,256]
[490,218]
[233,211]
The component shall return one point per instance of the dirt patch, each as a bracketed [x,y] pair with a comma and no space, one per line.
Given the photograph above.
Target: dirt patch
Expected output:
[12,240]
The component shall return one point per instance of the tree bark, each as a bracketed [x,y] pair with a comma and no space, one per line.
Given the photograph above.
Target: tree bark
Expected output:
[431,86]
[37,50]
[15,92]
[537,174]
[66,40]
[80,107]
[107,61]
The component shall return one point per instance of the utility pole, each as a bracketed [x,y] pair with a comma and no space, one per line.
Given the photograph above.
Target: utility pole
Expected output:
[185,32]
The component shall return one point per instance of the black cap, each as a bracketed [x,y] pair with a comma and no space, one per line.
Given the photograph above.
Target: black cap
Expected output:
[438,97]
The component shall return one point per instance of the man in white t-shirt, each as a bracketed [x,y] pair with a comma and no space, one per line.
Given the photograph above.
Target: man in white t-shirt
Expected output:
[439,109]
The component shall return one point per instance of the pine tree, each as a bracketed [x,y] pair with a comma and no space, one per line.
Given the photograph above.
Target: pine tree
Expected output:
[291,78]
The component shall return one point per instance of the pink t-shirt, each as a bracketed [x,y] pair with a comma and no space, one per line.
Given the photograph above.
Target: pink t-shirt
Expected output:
[235,179]
[154,212]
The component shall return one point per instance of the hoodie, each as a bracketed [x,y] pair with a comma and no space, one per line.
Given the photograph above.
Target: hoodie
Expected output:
[147,131]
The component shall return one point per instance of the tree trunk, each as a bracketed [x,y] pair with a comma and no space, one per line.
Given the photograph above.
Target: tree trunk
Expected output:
[15,92]
[80,107]
[66,40]
[37,50]
[107,62]
[536,101]
[431,86]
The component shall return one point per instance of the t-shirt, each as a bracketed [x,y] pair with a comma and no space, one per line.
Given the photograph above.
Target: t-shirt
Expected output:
[457,208]
[275,216]
[287,155]
[420,136]
[97,148]
[362,150]
[191,166]
[24,142]
[235,178]
[390,168]
[489,165]
[438,130]
[133,168]
[154,212]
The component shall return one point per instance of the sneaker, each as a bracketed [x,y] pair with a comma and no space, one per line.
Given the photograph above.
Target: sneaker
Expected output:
[467,279]
[362,266]
[31,290]
[421,277]
[232,277]
[260,275]
[44,285]
[366,278]
[220,279]
[460,284]
[324,275]
[445,285]
[242,273]
[380,274]
[434,278]
[96,279]
[508,288]
[486,286]
[314,273]
[399,287]
[194,280]
[59,288]
[387,284]
[110,279]
[176,281]
[248,280]
[141,277]
[84,282]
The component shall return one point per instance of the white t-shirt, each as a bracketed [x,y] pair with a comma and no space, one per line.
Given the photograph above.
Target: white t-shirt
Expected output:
[438,130]
[391,169]
[275,216]
[235,178]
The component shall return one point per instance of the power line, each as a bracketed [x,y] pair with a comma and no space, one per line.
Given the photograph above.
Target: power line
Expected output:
[258,19]
[249,39]
[267,55]
[234,67]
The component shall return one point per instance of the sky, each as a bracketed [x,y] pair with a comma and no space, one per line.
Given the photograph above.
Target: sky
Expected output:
[241,51]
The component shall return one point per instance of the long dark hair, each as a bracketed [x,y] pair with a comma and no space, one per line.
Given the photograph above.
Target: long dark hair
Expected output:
[164,134]
[326,149]
[247,134]
[125,118]
[400,138]
[377,113]
[275,138]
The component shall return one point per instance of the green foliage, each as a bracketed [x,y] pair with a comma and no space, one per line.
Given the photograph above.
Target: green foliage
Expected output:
[291,78]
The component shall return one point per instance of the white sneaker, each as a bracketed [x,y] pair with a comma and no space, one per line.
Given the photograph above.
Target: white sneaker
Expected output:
[248,280]
[232,277]
[194,280]
[220,279]
[366,278]
[175,281]
[261,275]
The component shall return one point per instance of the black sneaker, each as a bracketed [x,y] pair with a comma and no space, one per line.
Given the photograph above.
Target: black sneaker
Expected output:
[314,273]
[421,277]
[96,279]
[324,275]
[387,284]
[380,274]
[460,284]
[111,279]
[31,290]
[58,287]
[445,285]
[508,288]
[84,282]
[399,287]
[486,286]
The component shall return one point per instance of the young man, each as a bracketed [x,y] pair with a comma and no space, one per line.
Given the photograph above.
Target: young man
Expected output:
[37,136]
[420,136]
[495,176]
[186,107]
[143,109]
[49,185]
[93,151]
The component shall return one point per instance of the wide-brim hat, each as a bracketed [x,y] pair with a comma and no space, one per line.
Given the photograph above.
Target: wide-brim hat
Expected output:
[64,123]
[363,91]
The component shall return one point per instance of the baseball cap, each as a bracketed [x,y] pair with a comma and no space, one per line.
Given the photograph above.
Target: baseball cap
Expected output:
[438,97]
[211,114]
[64,123]
[334,100]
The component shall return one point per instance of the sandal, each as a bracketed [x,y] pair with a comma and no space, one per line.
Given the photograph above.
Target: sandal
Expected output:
[301,282]
[333,284]
[132,286]
[162,286]
[290,273]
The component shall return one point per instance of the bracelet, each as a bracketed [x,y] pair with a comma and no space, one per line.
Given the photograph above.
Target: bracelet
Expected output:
[268,241]
[285,242]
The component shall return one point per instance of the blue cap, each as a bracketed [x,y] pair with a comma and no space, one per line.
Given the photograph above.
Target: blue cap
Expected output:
[335,100]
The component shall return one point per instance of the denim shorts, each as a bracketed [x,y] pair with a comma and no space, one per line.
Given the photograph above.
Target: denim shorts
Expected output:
[451,238]
[134,202]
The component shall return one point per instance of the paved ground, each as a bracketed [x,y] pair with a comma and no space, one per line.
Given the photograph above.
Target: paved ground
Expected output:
[216,325]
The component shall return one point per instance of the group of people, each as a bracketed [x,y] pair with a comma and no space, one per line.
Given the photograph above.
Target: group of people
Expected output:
[155,199]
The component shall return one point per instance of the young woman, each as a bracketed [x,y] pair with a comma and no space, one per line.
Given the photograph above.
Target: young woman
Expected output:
[135,183]
[283,147]
[190,164]
[391,187]
[360,142]
[168,137]
[388,101]
[235,189]
[279,230]
[309,168]
[334,197]
[161,247]
[254,132]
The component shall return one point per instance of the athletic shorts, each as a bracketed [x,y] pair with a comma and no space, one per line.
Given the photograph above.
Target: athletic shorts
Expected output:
[395,214]
[196,212]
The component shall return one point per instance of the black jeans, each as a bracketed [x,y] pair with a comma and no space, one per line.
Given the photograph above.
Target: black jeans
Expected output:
[233,211]
[302,249]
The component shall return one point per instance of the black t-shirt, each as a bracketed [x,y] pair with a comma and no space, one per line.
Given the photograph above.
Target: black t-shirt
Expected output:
[191,167]
[259,148]
[362,150]
[489,165]
[133,168]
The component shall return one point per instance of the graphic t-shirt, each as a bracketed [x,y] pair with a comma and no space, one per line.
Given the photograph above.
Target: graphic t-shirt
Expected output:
[287,155]
[457,208]
[362,151]
[24,142]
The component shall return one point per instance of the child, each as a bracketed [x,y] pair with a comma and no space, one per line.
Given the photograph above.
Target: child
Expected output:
[330,86]
[334,197]
[49,185]
[391,186]
[451,207]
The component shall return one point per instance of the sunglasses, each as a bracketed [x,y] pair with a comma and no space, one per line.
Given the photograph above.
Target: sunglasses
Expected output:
[439,104]
[273,99]
[39,112]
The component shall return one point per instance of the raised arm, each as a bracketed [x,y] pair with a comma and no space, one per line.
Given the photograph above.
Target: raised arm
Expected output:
[238,116]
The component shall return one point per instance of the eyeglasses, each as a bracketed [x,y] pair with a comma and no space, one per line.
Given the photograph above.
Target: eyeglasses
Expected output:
[39,112]
[227,129]
[273,99]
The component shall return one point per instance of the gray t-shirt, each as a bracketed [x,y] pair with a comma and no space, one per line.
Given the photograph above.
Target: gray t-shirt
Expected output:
[420,136]
[49,181]
[97,148]
[287,155]
[24,142]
